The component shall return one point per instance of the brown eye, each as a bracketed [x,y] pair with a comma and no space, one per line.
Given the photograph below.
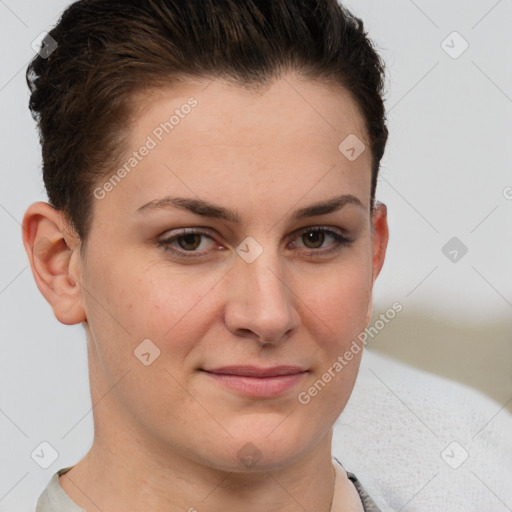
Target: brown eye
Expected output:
[187,243]
[315,238]
[191,241]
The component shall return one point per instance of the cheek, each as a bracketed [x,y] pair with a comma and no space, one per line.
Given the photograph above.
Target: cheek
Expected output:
[171,306]
[133,300]
[338,295]
[337,315]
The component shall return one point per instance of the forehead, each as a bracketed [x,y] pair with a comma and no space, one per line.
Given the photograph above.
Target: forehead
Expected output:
[210,138]
[291,104]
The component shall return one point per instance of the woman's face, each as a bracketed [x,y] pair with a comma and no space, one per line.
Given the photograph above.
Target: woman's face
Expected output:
[251,289]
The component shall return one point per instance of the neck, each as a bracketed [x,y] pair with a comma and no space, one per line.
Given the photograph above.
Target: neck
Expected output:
[110,479]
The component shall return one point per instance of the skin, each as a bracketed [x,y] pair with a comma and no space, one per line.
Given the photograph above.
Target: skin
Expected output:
[167,437]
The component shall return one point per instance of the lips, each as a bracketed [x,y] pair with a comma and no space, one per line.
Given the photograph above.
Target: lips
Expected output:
[257,372]
[257,382]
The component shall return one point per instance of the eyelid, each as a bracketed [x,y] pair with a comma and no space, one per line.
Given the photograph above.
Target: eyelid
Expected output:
[327,229]
[166,241]
[340,236]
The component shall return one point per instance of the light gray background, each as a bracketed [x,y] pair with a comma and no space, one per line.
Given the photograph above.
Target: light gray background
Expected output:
[445,173]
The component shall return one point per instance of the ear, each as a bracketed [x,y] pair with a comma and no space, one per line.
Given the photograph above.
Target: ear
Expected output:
[53,250]
[380,236]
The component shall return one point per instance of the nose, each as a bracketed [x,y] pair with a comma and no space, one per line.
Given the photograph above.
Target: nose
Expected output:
[261,303]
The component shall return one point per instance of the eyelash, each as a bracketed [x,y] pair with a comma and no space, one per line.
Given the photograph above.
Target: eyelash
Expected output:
[340,242]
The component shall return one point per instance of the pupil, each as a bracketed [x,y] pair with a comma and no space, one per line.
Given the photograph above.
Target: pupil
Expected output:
[189,239]
[314,234]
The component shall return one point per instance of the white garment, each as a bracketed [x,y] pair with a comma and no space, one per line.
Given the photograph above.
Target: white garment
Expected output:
[406,434]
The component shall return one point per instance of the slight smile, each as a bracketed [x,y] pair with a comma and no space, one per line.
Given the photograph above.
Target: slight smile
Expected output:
[256,381]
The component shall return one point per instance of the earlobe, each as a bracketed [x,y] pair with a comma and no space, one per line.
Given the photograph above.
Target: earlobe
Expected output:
[54,255]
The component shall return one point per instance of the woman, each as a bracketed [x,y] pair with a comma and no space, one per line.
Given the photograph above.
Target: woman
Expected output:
[211,170]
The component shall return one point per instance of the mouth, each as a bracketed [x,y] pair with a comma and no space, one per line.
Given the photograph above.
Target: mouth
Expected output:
[257,381]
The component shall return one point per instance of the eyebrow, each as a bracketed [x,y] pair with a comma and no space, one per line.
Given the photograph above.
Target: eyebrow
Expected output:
[207,209]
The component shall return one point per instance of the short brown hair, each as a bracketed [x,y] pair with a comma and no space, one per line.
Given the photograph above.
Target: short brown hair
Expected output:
[108,50]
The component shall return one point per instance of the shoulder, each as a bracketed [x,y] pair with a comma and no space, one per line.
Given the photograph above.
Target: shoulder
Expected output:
[54,499]
[368,504]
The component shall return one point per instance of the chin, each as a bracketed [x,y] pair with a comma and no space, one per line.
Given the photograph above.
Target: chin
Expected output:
[262,449]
